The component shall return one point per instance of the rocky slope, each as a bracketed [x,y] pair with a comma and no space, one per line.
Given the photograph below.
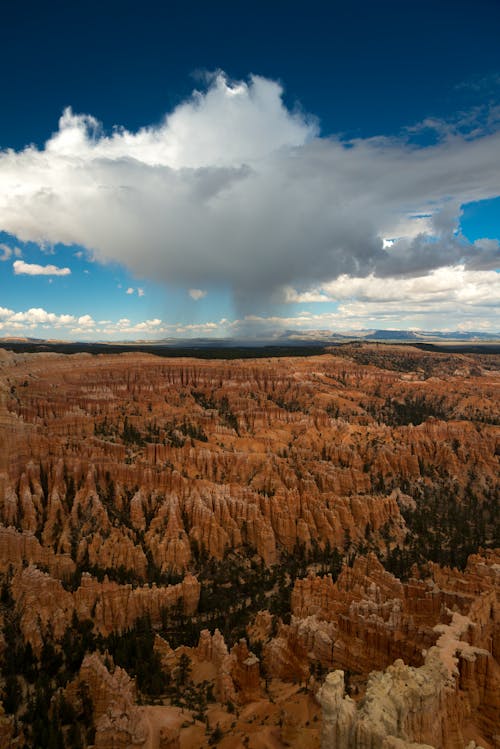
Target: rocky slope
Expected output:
[156,510]
[451,690]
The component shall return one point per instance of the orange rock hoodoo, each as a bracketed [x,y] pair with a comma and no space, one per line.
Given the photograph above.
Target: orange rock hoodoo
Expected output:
[270,454]
[128,482]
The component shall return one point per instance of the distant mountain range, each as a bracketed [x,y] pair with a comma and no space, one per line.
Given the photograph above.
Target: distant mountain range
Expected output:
[412,335]
[281,338]
[387,335]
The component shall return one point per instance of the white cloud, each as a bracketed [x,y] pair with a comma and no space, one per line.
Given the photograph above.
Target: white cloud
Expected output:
[38,316]
[32,269]
[440,306]
[203,327]
[197,294]
[228,124]
[86,321]
[234,189]
[291,295]
[452,284]
[6,252]
[132,290]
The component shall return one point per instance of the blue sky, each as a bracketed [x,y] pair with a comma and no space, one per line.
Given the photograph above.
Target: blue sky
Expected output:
[243,170]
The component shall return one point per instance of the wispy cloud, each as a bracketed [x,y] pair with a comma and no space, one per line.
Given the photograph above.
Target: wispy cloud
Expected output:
[32,269]
[132,290]
[6,252]
[197,294]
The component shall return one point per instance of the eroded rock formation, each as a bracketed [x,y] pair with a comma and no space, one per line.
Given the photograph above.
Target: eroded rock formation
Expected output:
[200,497]
[152,458]
[44,606]
[119,723]
[452,696]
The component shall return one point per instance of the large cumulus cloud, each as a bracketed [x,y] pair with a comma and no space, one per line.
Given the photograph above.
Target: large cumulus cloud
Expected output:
[233,188]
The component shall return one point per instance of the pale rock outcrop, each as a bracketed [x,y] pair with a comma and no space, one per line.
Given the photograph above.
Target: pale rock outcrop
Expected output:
[428,705]
[338,713]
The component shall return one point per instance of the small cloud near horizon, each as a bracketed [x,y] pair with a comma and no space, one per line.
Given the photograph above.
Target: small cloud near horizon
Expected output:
[197,294]
[132,290]
[33,269]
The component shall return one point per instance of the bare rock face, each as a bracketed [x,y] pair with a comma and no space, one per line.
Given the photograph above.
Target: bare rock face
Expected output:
[124,459]
[261,627]
[7,738]
[339,713]
[403,706]
[115,607]
[458,685]
[367,579]
[245,672]
[119,723]
[317,637]
[126,480]
[17,549]
[285,656]
[237,672]
[373,616]
[45,606]
[213,648]
[115,551]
